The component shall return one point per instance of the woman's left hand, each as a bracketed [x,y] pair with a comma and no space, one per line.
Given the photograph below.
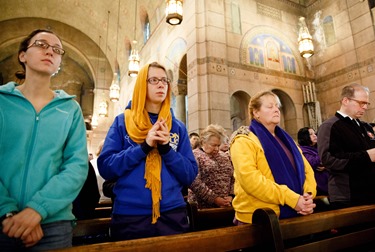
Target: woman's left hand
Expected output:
[305,204]
[163,132]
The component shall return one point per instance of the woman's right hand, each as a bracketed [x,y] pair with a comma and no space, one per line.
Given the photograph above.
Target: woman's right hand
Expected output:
[34,237]
[159,133]
[152,136]
[22,224]
[222,202]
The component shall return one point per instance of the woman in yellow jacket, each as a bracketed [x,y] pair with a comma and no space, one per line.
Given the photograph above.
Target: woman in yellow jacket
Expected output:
[269,169]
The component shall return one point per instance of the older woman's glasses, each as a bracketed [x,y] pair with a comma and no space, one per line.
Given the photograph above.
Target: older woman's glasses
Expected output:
[360,103]
[45,45]
[155,81]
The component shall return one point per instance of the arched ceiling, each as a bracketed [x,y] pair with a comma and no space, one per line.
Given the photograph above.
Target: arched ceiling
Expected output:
[84,63]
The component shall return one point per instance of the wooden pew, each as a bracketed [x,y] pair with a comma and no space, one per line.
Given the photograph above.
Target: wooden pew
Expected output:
[210,218]
[221,239]
[91,231]
[97,230]
[322,203]
[355,229]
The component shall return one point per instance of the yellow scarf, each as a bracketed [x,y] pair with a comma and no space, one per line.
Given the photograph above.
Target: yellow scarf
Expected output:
[138,124]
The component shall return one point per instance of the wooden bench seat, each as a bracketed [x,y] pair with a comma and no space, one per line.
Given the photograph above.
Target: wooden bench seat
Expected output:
[209,218]
[91,231]
[221,239]
[354,229]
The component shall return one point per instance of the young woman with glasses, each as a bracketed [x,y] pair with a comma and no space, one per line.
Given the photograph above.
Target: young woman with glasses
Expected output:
[42,149]
[147,150]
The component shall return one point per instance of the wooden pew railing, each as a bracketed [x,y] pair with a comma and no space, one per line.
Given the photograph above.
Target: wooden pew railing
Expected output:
[355,228]
[221,239]
[97,230]
[209,218]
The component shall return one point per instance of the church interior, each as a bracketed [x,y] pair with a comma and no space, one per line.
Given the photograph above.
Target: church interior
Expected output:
[218,54]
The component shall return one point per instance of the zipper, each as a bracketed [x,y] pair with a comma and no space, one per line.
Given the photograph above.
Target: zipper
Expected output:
[31,147]
[27,166]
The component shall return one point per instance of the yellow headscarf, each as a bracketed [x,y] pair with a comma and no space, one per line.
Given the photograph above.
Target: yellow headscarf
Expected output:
[138,124]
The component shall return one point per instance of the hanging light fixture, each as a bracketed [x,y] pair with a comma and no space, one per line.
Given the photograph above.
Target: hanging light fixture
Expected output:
[94,121]
[134,62]
[114,89]
[103,109]
[134,58]
[173,12]
[305,44]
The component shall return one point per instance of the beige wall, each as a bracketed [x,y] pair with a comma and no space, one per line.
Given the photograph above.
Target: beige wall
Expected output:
[213,41]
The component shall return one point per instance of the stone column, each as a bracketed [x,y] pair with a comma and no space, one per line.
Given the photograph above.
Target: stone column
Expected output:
[208,83]
[180,91]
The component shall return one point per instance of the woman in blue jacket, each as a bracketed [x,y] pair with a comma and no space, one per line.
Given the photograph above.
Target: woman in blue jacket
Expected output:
[147,151]
[43,153]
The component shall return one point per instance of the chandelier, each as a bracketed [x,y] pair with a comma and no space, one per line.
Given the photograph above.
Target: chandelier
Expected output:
[103,109]
[94,121]
[305,44]
[114,89]
[173,12]
[134,63]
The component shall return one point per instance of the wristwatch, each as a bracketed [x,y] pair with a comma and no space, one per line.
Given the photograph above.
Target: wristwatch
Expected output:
[7,215]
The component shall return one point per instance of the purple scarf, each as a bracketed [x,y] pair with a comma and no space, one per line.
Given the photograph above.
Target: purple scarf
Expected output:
[279,163]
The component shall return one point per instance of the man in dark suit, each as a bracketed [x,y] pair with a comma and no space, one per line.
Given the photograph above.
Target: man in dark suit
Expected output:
[346,148]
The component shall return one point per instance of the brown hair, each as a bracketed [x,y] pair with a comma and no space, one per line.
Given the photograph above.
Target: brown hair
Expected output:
[348,91]
[24,46]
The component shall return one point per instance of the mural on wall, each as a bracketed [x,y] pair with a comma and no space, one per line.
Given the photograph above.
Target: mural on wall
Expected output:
[265,47]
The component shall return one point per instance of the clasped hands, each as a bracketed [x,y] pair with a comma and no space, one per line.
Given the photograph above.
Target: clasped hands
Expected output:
[305,204]
[25,225]
[223,201]
[158,134]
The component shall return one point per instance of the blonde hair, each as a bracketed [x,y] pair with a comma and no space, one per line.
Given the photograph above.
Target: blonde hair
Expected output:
[256,101]
[212,130]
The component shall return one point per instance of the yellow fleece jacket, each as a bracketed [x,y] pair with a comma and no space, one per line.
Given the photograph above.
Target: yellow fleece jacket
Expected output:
[255,186]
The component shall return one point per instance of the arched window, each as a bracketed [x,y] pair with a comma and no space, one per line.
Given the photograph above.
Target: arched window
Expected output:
[146,30]
[329,31]
[236,18]
[371,3]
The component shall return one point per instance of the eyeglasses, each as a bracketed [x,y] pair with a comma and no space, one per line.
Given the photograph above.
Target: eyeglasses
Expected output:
[45,45]
[360,103]
[155,81]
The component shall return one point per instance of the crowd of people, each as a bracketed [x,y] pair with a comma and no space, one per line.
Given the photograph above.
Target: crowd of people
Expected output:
[148,166]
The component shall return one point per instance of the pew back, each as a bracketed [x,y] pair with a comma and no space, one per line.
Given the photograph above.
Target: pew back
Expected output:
[209,218]
[355,228]
[221,239]
[331,230]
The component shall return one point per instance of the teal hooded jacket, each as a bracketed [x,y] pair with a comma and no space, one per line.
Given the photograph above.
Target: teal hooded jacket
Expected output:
[43,156]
